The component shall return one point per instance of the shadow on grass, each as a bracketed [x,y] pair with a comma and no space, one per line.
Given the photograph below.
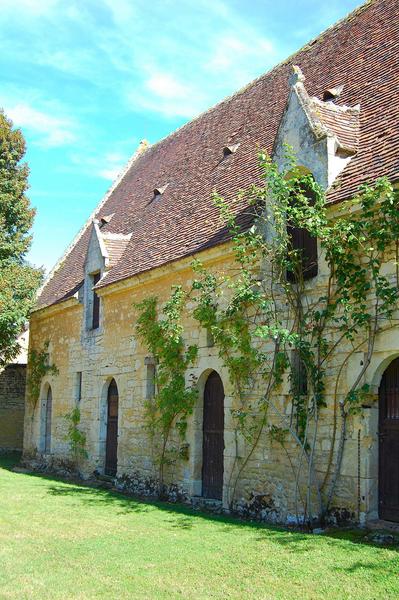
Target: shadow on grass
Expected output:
[10,460]
[186,518]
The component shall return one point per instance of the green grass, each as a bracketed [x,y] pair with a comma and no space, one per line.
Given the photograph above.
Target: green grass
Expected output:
[62,540]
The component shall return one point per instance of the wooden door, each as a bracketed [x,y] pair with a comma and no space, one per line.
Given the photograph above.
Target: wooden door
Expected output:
[111,446]
[47,424]
[388,484]
[213,438]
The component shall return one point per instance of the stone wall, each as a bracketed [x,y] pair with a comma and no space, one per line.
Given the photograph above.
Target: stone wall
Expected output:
[12,406]
[266,488]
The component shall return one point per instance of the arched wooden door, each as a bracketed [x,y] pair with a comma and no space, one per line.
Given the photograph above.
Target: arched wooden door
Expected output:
[388,483]
[47,421]
[213,438]
[111,445]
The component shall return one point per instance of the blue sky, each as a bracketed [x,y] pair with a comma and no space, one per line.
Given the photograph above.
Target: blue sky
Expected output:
[86,80]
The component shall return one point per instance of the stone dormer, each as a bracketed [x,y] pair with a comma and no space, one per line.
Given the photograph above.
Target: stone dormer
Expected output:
[323,135]
[103,252]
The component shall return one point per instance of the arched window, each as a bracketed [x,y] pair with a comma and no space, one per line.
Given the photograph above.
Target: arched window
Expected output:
[48,408]
[306,246]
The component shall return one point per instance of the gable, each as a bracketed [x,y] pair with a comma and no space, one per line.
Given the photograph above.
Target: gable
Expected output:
[323,136]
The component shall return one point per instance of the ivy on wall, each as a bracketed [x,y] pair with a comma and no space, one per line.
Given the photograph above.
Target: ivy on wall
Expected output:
[265,324]
[38,367]
[75,437]
[173,401]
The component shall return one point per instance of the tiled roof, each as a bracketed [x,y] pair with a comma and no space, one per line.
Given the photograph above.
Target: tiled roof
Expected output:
[115,244]
[361,52]
[342,122]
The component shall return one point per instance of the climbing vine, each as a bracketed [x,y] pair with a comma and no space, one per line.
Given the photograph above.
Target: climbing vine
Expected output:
[38,367]
[276,330]
[173,401]
[75,437]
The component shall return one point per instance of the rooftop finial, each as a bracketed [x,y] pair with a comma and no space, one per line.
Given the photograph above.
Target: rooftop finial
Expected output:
[143,145]
[296,76]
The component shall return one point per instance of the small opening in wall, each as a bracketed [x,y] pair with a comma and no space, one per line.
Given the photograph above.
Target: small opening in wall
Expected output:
[95,323]
[78,387]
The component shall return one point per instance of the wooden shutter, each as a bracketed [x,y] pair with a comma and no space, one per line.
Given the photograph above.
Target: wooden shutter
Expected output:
[306,244]
[299,382]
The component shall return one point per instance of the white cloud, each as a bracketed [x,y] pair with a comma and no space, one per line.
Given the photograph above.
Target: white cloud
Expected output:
[49,130]
[109,174]
[186,69]
[166,86]
[234,53]
[156,63]
[32,7]
[165,94]
[106,165]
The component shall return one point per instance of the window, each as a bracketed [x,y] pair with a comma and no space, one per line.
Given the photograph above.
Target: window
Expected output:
[150,378]
[306,245]
[299,387]
[210,342]
[95,323]
[299,378]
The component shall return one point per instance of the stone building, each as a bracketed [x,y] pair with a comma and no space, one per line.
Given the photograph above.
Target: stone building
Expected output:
[12,399]
[334,103]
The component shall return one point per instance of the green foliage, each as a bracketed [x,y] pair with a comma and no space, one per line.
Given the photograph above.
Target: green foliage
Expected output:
[173,401]
[75,437]
[38,367]
[18,280]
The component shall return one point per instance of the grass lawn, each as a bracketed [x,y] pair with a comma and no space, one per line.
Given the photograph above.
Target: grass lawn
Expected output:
[62,540]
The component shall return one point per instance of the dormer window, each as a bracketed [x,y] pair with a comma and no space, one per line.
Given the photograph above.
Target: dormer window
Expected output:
[230,149]
[96,303]
[105,220]
[158,191]
[332,94]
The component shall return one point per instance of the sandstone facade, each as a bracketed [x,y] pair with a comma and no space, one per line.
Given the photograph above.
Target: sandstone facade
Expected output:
[266,487]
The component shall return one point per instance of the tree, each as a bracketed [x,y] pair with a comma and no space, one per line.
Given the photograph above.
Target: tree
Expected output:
[18,280]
